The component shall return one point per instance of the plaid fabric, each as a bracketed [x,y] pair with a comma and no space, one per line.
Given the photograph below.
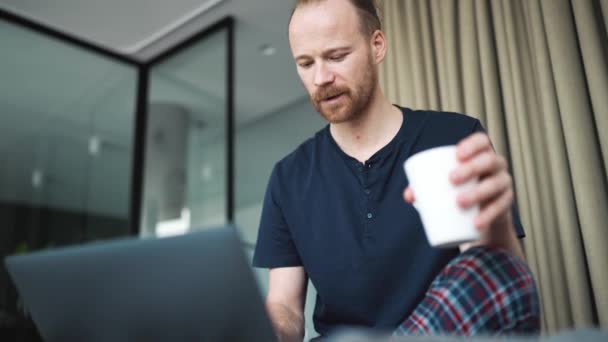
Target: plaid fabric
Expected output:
[481,291]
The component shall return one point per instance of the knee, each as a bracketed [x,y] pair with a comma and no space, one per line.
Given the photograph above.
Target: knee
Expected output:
[498,286]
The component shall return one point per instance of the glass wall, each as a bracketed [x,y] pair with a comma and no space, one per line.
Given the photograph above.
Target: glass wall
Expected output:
[185,183]
[66,132]
[72,142]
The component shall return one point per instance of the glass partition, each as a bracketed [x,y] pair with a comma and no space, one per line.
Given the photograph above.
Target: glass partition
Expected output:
[66,132]
[185,165]
[75,121]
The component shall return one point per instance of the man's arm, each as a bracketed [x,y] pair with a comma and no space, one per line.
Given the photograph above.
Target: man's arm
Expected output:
[501,235]
[285,302]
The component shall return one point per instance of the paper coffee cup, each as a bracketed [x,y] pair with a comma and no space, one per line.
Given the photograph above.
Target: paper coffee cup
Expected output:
[445,223]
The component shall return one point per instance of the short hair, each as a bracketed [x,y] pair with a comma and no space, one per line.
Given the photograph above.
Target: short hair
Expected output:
[369,18]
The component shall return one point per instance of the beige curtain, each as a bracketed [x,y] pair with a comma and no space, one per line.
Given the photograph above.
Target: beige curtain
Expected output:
[535,72]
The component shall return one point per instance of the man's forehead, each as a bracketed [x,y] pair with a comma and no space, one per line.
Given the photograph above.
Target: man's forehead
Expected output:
[324,20]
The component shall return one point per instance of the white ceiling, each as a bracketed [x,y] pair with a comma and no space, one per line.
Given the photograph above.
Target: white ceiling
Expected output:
[124,26]
[263,83]
[63,91]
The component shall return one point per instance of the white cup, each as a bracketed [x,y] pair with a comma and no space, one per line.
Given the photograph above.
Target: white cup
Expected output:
[445,223]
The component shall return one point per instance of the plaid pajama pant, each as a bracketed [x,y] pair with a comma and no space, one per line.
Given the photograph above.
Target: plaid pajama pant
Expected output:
[482,291]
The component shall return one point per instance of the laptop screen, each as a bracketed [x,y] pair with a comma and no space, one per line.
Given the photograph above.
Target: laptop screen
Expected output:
[196,286]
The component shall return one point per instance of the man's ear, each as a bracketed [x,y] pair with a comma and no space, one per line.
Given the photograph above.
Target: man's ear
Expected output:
[378,45]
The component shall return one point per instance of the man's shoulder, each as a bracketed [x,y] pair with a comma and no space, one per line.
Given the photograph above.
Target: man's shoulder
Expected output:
[445,117]
[444,122]
[440,128]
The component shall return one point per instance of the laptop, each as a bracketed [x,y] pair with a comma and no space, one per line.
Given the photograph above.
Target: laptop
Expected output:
[193,287]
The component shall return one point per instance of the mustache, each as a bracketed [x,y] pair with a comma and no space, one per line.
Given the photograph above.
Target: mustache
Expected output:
[325,93]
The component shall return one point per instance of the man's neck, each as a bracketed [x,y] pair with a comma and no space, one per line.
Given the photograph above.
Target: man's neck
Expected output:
[371,131]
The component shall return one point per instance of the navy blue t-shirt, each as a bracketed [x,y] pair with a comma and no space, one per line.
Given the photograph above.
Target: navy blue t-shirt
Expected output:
[346,223]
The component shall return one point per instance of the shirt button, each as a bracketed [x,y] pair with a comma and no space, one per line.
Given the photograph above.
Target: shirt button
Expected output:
[369,215]
[368,191]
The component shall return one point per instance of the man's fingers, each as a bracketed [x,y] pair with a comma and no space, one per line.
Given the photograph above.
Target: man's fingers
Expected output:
[492,210]
[487,189]
[482,164]
[408,195]
[472,145]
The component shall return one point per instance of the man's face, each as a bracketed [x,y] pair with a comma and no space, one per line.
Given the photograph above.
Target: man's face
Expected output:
[334,59]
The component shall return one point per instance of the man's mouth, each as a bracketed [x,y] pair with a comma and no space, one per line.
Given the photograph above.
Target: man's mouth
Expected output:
[331,98]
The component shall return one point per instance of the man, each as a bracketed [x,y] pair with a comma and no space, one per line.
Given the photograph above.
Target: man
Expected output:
[334,209]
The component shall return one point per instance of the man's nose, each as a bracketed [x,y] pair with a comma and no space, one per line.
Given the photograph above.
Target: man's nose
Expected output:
[323,75]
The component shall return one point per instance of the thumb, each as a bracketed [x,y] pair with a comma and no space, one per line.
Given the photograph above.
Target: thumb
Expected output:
[408,195]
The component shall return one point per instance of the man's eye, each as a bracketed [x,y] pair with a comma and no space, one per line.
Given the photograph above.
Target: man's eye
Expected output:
[337,58]
[305,65]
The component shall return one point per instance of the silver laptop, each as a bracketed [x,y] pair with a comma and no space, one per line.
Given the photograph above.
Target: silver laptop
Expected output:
[194,287]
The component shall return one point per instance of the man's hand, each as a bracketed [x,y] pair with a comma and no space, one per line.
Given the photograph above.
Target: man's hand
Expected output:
[493,193]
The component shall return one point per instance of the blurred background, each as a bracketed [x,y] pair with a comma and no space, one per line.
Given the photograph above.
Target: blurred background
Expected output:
[70,82]
[145,117]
